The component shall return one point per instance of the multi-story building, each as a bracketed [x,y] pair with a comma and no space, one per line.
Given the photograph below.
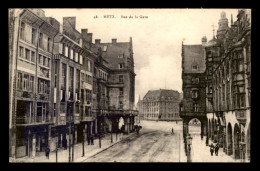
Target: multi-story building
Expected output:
[228,63]
[119,85]
[223,76]
[63,88]
[160,105]
[193,104]
[31,112]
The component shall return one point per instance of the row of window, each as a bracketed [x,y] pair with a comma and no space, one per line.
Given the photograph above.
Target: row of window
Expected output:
[102,74]
[156,115]
[86,78]
[25,82]
[43,60]
[73,55]
[30,56]
[29,34]
[26,54]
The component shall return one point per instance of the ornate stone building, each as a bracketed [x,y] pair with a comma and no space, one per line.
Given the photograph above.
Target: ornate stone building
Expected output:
[228,63]
[193,104]
[223,78]
[160,105]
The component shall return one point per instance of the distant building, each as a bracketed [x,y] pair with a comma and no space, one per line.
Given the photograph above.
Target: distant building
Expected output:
[160,105]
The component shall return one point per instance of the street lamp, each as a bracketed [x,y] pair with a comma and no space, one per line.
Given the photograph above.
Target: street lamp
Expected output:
[56,137]
[189,143]
[242,151]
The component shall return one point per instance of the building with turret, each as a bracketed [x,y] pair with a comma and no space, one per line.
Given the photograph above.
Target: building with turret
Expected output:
[217,85]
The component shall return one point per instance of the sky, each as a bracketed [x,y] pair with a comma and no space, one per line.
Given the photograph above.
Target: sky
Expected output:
[157,36]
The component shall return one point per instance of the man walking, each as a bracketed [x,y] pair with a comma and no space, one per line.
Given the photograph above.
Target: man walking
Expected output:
[172,131]
[47,152]
[216,149]
[211,149]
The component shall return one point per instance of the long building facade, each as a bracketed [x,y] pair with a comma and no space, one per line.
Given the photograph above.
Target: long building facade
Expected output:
[226,86]
[64,89]
[228,60]
[160,105]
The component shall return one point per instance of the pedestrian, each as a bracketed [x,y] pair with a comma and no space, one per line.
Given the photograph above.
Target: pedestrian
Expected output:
[172,131]
[216,149]
[47,152]
[211,149]
[65,144]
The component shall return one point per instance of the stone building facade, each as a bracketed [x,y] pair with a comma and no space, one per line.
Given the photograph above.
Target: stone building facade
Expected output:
[193,104]
[64,89]
[225,86]
[229,85]
[31,112]
[160,105]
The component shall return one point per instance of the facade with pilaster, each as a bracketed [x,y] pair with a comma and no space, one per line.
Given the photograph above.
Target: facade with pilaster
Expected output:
[31,112]
[229,85]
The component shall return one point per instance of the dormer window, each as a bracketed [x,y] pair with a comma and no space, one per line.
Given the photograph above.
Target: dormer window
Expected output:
[104,48]
[120,65]
[195,67]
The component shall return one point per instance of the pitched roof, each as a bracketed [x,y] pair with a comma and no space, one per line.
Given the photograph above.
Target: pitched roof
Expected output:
[157,94]
[113,51]
[193,55]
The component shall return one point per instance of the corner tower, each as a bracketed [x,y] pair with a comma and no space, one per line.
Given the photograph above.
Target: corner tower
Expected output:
[222,25]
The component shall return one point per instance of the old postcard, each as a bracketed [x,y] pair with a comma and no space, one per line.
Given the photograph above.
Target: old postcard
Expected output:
[129,85]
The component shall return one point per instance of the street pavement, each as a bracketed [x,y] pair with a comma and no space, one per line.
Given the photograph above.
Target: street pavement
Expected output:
[155,143]
[201,153]
[90,150]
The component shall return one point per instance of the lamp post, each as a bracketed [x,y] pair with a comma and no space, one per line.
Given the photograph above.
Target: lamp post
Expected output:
[242,151]
[217,132]
[189,143]
[83,141]
[56,137]
[29,136]
[111,130]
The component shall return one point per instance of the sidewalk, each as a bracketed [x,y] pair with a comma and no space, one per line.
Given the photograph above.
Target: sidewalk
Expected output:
[201,153]
[90,150]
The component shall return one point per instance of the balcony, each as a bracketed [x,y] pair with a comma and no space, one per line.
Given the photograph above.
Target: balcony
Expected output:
[25,120]
[88,118]
[123,112]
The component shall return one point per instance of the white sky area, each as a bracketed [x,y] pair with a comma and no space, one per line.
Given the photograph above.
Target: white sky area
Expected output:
[156,40]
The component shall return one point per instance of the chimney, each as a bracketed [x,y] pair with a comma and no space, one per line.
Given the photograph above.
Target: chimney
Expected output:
[113,41]
[89,37]
[84,33]
[71,20]
[97,41]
